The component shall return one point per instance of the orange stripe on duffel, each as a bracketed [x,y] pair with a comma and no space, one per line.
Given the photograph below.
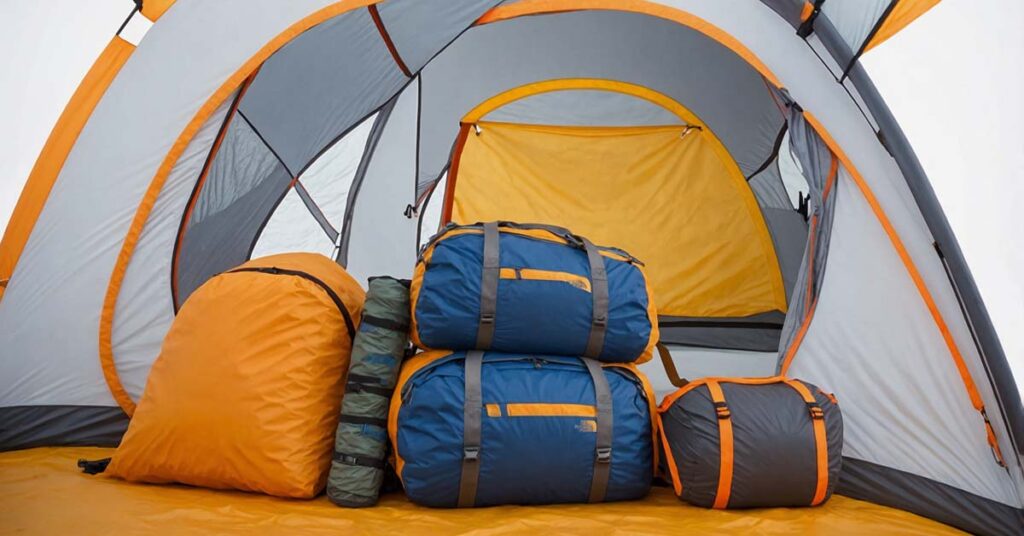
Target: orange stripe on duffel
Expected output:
[820,439]
[550,410]
[725,445]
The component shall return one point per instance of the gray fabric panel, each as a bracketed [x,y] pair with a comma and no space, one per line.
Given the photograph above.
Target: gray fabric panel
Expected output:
[315,211]
[242,163]
[789,10]
[25,427]
[577,108]
[320,85]
[854,20]
[357,181]
[605,427]
[489,286]
[769,189]
[663,55]
[789,235]
[472,410]
[759,333]
[991,350]
[244,185]
[816,161]
[691,429]
[774,461]
[419,29]
[898,489]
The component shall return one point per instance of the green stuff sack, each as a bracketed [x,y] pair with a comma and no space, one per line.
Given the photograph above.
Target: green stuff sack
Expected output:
[360,443]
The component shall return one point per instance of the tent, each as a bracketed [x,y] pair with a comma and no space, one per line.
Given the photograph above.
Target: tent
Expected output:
[737,147]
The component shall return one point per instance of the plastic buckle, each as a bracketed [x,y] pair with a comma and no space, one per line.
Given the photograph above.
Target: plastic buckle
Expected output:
[816,411]
[487,318]
[722,410]
[604,455]
[471,454]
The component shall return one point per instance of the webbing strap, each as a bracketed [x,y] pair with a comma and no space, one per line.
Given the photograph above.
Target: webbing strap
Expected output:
[361,420]
[599,287]
[357,460]
[471,417]
[725,445]
[385,323]
[488,286]
[820,438]
[603,441]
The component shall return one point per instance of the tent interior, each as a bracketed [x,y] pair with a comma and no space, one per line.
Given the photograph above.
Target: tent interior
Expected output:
[689,172]
[361,137]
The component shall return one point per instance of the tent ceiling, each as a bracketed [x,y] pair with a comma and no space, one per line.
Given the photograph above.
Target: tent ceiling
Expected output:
[709,79]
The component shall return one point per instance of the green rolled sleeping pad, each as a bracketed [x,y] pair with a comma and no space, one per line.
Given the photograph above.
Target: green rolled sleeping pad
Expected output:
[360,442]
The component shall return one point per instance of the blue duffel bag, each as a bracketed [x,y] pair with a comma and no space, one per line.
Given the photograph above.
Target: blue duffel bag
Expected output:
[480,429]
[531,288]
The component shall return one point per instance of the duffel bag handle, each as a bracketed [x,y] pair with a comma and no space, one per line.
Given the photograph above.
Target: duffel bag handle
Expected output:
[670,366]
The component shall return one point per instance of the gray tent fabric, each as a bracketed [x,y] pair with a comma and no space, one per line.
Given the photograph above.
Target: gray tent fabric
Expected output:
[25,427]
[578,107]
[308,93]
[755,333]
[406,20]
[245,183]
[492,58]
[879,484]
[818,163]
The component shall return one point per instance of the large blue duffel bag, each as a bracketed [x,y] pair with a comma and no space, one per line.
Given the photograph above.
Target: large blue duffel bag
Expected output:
[531,288]
[522,430]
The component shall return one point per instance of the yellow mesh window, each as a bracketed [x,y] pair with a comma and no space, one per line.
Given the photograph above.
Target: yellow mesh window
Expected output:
[675,201]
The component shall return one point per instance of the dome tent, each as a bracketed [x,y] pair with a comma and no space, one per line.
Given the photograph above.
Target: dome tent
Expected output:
[237,127]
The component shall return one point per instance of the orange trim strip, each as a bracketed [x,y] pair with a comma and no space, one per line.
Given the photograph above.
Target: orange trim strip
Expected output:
[670,460]
[725,446]
[668,400]
[55,152]
[820,443]
[106,350]
[453,174]
[535,7]
[375,15]
[908,262]
[806,12]
[550,410]
[202,182]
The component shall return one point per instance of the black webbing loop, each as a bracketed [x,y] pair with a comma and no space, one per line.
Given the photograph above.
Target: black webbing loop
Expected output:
[472,411]
[93,467]
[599,288]
[359,419]
[488,286]
[603,441]
[385,323]
[362,461]
[375,389]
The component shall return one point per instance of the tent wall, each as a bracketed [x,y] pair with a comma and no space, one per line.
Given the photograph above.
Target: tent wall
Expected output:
[382,240]
[55,152]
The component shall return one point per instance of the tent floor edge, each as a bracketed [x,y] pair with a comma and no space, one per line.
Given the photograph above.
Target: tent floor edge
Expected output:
[928,498]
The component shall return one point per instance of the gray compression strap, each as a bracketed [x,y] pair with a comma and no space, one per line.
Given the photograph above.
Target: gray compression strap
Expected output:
[603,442]
[488,287]
[471,414]
[599,289]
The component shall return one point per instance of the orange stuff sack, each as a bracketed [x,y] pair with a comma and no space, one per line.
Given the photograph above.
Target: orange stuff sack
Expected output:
[247,388]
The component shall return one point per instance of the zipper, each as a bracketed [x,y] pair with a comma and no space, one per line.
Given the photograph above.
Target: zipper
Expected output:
[273,270]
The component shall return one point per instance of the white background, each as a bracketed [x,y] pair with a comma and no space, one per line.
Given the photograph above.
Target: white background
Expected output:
[954,79]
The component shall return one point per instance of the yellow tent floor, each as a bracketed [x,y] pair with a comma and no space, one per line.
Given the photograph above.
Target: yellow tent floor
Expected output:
[43,492]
